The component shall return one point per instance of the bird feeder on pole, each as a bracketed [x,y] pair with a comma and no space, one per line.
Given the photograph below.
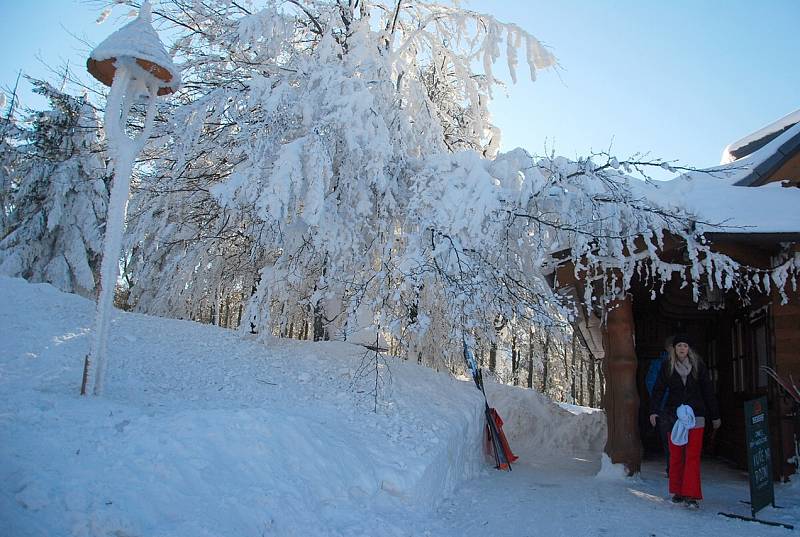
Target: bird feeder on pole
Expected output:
[137,67]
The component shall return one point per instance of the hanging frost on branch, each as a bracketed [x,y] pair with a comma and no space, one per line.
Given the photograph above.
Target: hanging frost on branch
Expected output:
[335,167]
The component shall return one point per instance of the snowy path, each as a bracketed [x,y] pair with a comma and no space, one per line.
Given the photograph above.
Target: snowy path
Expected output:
[563,497]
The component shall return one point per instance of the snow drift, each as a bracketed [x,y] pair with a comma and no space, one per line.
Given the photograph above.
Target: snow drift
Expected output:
[536,427]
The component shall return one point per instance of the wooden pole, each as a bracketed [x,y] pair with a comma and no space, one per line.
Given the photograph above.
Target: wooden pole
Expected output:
[622,396]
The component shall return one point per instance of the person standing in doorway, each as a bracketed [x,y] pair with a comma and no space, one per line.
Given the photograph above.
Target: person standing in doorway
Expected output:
[663,427]
[690,402]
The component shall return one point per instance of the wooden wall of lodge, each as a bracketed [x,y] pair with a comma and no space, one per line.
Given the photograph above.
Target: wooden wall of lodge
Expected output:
[785,343]
[784,350]
[786,338]
[789,170]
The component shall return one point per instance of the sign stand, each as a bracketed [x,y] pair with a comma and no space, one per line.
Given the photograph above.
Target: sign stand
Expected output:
[754,519]
[759,462]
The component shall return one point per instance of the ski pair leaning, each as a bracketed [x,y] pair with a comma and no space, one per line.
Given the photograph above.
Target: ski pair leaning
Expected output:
[502,452]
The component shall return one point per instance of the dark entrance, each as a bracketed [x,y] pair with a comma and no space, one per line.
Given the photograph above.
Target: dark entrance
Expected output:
[733,341]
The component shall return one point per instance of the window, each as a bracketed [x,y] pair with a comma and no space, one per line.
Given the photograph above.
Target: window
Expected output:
[760,353]
[750,349]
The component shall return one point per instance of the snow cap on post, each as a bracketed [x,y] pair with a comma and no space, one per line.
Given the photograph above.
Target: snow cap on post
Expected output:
[137,41]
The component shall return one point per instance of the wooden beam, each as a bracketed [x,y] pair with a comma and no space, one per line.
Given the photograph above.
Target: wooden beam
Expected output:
[622,396]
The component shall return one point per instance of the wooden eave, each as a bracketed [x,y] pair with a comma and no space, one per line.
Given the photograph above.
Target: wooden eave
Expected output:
[765,239]
[763,172]
[755,145]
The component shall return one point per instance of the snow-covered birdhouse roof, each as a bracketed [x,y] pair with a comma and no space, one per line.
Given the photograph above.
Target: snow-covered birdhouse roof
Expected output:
[137,41]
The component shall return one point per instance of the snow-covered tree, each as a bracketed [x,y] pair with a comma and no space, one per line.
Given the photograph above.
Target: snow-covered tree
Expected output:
[10,135]
[303,121]
[334,163]
[55,195]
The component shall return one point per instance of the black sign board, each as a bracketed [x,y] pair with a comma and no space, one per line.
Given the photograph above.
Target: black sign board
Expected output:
[759,458]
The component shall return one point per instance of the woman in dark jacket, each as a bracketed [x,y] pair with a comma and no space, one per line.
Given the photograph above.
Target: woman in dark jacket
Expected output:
[688,382]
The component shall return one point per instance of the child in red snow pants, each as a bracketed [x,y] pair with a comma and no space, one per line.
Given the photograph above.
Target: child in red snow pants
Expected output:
[684,466]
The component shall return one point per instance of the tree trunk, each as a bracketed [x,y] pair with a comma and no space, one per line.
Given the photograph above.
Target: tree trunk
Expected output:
[530,357]
[226,312]
[622,396]
[493,357]
[514,361]
[319,332]
[566,374]
[581,380]
[575,379]
[601,384]
[215,307]
[545,361]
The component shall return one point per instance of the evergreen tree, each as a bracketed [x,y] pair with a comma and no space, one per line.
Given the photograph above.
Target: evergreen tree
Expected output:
[10,135]
[55,195]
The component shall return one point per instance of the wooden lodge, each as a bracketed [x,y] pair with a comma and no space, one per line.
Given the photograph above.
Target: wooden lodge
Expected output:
[734,338]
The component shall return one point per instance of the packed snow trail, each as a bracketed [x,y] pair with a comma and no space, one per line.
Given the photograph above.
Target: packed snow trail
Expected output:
[203,433]
[562,496]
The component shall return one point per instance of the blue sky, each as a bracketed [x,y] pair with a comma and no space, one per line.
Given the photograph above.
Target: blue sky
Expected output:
[678,79]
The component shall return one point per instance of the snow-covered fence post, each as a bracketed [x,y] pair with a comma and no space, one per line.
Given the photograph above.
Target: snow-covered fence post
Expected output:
[134,62]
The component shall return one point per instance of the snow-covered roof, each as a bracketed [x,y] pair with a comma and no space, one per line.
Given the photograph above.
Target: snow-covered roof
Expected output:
[720,204]
[754,169]
[758,139]
[138,40]
[733,198]
[753,159]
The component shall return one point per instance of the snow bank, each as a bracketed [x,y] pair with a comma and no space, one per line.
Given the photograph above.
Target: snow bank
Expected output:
[204,433]
[537,427]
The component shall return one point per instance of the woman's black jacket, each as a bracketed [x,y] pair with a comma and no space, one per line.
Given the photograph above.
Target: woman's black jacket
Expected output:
[698,393]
